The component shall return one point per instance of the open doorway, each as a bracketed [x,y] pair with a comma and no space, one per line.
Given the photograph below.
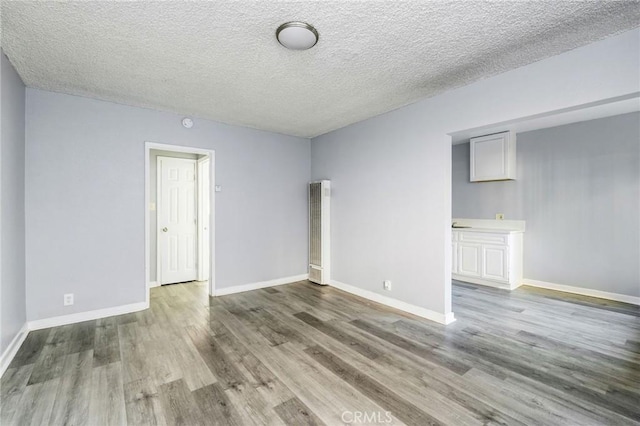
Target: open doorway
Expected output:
[178,215]
[502,238]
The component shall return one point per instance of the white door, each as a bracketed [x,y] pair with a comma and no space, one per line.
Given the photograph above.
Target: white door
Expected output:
[469,259]
[177,232]
[204,218]
[495,263]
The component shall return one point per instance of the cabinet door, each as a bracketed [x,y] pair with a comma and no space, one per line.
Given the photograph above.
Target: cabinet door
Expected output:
[469,259]
[495,263]
[492,157]
[454,258]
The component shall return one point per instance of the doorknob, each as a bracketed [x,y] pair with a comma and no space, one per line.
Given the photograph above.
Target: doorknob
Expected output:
[165,229]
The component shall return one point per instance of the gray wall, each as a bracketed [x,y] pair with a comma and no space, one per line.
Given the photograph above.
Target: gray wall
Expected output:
[12,284]
[153,195]
[578,189]
[389,191]
[85,201]
[391,174]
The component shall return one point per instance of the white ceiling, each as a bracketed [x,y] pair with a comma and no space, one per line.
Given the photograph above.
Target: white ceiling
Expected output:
[220,60]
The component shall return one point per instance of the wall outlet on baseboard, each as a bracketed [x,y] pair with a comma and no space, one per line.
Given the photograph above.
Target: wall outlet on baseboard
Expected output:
[68,299]
[386,285]
[499,216]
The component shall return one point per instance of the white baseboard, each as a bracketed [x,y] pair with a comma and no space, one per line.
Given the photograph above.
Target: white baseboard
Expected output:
[154,284]
[583,291]
[12,349]
[394,303]
[86,316]
[18,340]
[259,285]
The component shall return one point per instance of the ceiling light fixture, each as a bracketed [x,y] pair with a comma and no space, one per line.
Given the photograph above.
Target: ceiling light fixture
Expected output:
[297,35]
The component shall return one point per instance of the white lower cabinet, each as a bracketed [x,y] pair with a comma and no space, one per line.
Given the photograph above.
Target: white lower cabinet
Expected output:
[469,257]
[489,258]
[454,256]
[495,261]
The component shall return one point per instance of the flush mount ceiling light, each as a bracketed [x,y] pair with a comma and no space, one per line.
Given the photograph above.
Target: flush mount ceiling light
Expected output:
[297,35]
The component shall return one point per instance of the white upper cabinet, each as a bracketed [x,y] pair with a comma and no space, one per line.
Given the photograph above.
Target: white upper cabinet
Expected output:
[493,157]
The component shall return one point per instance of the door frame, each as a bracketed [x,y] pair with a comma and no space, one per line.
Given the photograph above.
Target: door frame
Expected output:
[148,146]
[200,214]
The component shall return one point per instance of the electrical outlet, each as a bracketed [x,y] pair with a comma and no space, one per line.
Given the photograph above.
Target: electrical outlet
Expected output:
[68,299]
[499,216]
[387,285]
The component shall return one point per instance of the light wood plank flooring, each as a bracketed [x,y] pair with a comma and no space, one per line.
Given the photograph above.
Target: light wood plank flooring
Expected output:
[304,354]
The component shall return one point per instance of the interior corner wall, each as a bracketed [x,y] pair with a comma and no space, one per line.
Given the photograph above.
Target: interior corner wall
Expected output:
[12,192]
[578,189]
[391,179]
[85,183]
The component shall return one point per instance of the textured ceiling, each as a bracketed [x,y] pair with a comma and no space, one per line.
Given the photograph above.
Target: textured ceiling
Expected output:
[220,60]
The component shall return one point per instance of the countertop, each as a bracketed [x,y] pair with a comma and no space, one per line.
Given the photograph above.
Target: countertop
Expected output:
[489,225]
[491,230]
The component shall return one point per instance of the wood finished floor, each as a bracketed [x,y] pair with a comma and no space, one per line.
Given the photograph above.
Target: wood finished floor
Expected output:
[303,354]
